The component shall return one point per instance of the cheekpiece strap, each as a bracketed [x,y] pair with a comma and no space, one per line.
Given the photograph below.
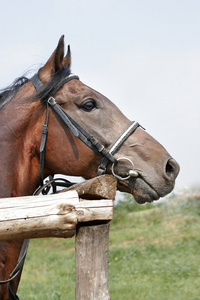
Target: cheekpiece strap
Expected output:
[43,145]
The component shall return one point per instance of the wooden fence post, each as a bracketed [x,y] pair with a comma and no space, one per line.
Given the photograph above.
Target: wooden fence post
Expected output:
[92,243]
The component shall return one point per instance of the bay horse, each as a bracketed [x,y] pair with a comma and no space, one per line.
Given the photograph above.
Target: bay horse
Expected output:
[82,125]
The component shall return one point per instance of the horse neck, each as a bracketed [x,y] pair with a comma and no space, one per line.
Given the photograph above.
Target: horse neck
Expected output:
[21,125]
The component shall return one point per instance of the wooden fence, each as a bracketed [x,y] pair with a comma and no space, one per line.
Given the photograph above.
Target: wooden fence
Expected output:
[83,210]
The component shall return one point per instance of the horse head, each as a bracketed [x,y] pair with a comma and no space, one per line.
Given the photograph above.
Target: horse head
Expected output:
[155,170]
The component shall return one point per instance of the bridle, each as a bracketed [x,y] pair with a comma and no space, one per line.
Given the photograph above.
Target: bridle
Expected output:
[79,132]
[86,138]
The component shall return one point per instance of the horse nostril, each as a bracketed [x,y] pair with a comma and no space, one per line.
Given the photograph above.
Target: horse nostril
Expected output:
[169,168]
[172,169]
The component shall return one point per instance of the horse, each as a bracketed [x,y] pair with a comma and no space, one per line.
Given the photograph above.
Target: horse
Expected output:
[55,124]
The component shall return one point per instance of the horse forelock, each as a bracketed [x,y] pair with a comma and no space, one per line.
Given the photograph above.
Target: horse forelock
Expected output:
[56,82]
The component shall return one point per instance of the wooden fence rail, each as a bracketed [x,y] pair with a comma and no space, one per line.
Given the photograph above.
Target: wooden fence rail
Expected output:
[84,210]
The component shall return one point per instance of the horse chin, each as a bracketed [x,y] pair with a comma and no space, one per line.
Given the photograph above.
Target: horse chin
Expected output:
[141,191]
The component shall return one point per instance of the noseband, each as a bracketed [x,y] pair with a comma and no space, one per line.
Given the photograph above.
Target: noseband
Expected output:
[82,134]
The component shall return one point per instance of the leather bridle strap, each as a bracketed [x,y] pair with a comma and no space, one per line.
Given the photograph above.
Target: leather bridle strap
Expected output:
[38,84]
[43,145]
[79,131]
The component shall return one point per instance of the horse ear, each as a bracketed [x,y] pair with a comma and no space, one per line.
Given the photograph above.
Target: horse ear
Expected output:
[67,58]
[59,54]
[54,63]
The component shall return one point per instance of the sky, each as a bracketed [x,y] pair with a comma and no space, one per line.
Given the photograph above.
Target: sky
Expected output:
[143,55]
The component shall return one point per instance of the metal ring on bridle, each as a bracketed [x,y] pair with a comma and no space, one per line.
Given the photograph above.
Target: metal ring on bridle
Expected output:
[132,172]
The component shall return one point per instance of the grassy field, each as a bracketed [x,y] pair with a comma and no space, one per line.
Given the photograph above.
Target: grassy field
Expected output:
[154,254]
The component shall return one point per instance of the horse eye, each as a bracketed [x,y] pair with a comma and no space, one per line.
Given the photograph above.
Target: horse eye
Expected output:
[89,105]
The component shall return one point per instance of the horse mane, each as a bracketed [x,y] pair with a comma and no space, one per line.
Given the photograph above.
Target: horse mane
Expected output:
[44,93]
[7,93]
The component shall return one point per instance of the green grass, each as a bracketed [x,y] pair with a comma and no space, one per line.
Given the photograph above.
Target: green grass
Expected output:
[154,254]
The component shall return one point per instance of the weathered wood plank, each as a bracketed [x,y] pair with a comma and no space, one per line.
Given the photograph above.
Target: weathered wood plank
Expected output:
[92,262]
[57,217]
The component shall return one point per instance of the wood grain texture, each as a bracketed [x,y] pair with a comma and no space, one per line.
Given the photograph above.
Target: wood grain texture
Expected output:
[92,262]
[104,186]
[56,215]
